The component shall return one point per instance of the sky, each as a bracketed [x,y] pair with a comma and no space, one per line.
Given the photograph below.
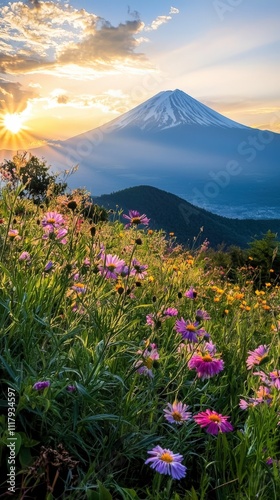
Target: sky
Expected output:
[69,66]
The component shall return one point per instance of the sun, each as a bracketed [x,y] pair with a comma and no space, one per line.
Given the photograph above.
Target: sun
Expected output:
[13,122]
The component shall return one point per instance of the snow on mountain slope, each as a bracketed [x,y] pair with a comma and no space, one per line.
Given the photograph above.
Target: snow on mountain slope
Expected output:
[169,109]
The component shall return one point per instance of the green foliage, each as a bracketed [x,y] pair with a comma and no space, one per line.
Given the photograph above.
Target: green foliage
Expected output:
[265,255]
[34,174]
[86,434]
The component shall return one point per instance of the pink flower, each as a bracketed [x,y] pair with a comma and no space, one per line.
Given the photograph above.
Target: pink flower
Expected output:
[176,413]
[275,379]
[206,366]
[111,266]
[213,422]
[52,220]
[149,356]
[170,311]
[257,357]
[244,405]
[25,256]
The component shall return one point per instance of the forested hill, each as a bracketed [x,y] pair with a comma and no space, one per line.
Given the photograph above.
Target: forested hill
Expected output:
[175,215]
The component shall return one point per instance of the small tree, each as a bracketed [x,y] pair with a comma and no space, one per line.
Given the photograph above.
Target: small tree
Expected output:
[34,174]
[265,255]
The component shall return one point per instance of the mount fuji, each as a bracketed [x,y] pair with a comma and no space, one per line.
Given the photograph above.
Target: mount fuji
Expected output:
[175,143]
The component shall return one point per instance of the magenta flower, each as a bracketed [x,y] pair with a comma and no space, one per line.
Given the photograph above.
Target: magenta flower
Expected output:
[39,386]
[257,357]
[189,330]
[170,311]
[111,266]
[213,421]
[149,356]
[191,293]
[138,270]
[206,366]
[135,219]
[165,461]
[176,413]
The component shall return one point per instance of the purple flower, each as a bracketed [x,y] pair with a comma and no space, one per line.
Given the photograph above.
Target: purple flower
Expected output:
[202,315]
[257,357]
[135,218]
[165,461]
[39,386]
[170,311]
[111,267]
[71,388]
[213,421]
[189,330]
[138,270]
[48,266]
[191,293]
[79,288]
[206,366]
[176,413]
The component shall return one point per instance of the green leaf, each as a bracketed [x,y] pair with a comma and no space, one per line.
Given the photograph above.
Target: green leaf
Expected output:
[104,494]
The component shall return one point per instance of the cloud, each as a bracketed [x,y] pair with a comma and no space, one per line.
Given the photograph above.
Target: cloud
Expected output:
[13,97]
[157,23]
[47,37]
[174,10]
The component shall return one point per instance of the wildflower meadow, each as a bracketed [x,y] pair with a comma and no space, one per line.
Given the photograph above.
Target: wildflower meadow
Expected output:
[131,367]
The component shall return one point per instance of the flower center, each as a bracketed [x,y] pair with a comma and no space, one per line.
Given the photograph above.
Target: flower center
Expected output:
[111,267]
[135,220]
[51,221]
[166,457]
[191,328]
[215,418]
[148,363]
[177,416]
[207,358]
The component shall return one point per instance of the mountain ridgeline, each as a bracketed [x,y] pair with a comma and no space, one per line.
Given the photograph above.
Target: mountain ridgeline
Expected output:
[175,143]
[175,215]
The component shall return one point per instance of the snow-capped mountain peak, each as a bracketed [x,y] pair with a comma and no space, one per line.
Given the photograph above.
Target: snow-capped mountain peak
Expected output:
[169,109]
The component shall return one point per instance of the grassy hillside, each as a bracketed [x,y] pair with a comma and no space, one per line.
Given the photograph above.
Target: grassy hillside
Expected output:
[131,369]
[173,214]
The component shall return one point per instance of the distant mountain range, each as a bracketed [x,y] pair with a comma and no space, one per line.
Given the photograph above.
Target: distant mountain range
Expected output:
[175,215]
[175,143]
